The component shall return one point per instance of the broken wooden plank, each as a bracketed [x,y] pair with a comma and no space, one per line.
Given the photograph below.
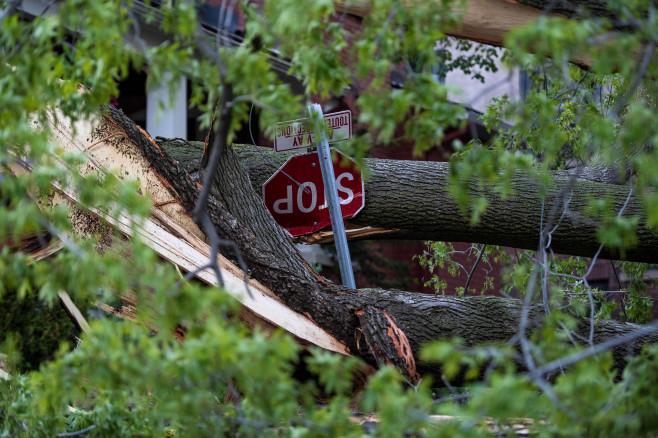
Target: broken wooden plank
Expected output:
[73,311]
[327,236]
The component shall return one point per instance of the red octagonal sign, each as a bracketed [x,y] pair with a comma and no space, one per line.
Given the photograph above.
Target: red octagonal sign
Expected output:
[294,195]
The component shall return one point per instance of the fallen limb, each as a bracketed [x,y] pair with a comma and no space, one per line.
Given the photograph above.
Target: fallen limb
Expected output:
[175,240]
[73,311]
[409,200]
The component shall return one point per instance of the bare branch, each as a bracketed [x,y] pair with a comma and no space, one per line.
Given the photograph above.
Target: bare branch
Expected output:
[267,160]
[594,350]
[470,275]
[81,432]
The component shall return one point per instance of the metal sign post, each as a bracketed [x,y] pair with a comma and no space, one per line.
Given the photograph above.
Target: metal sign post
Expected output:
[331,195]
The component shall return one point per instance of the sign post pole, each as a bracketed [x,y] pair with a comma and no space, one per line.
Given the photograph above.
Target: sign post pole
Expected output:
[331,195]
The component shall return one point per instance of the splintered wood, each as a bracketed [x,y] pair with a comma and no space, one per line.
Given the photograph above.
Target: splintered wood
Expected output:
[171,231]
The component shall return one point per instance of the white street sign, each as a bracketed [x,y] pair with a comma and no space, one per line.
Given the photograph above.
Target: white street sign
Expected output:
[298,134]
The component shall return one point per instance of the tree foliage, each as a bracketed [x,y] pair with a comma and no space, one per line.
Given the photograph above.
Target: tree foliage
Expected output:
[136,379]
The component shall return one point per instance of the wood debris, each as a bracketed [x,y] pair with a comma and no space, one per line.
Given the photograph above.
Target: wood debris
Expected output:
[73,311]
[171,231]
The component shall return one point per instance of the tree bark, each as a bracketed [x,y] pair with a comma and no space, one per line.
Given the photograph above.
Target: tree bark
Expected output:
[240,216]
[381,326]
[409,200]
[571,8]
[483,319]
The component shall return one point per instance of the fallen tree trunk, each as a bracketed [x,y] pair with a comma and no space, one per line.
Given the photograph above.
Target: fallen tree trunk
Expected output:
[381,326]
[488,21]
[409,200]
[483,319]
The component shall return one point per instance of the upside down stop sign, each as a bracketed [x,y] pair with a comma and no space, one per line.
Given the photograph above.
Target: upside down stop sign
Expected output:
[295,196]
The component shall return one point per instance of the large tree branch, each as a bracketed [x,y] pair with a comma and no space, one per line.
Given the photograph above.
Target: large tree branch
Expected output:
[239,215]
[483,319]
[570,8]
[409,200]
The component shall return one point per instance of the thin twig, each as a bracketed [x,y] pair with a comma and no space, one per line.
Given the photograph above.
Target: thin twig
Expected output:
[525,347]
[458,398]
[137,32]
[268,161]
[542,251]
[200,212]
[470,275]
[596,349]
[104,139]
[48,6]
[70,244]
[77,433]
[451,388]
[591,266]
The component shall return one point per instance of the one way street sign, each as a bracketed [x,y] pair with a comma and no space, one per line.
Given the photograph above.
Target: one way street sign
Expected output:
[298,134]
